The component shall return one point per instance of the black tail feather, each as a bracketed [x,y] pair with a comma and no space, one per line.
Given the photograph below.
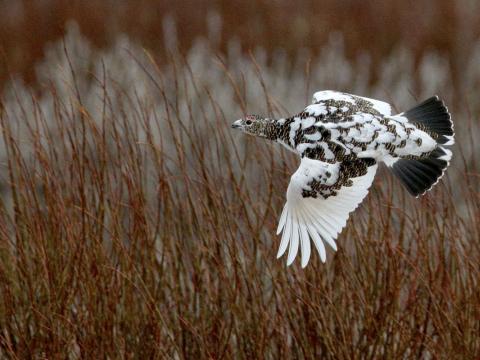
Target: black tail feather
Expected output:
[434,116]
[419,176]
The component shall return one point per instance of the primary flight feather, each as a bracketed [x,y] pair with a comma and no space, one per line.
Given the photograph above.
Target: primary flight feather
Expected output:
[341,138]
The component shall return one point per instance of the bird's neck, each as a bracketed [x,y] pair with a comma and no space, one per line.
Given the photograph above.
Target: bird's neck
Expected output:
[280,130]
[270,130]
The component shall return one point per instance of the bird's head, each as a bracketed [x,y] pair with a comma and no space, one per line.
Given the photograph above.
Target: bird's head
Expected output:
[256,125]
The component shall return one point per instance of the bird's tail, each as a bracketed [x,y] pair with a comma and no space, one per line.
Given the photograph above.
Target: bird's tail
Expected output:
[420,175]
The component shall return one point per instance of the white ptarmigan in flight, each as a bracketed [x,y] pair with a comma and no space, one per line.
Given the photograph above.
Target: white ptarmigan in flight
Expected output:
[341,138]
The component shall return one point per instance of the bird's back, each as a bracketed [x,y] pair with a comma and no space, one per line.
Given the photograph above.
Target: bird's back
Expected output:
[338,106]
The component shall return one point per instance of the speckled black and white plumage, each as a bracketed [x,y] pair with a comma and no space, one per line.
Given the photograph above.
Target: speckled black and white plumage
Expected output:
[340,138]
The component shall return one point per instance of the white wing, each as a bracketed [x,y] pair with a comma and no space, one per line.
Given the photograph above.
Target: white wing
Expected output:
[380,106]
[316,210]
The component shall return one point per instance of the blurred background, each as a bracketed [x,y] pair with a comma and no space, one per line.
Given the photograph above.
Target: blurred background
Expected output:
[448,27]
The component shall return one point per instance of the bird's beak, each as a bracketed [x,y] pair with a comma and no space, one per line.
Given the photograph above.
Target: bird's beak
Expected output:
[237,124]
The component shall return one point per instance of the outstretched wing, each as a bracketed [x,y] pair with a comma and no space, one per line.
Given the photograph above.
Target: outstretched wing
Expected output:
[334,103]
[320,198]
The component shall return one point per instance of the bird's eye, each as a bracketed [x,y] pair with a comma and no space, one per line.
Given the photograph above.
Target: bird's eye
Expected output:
[248,122]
